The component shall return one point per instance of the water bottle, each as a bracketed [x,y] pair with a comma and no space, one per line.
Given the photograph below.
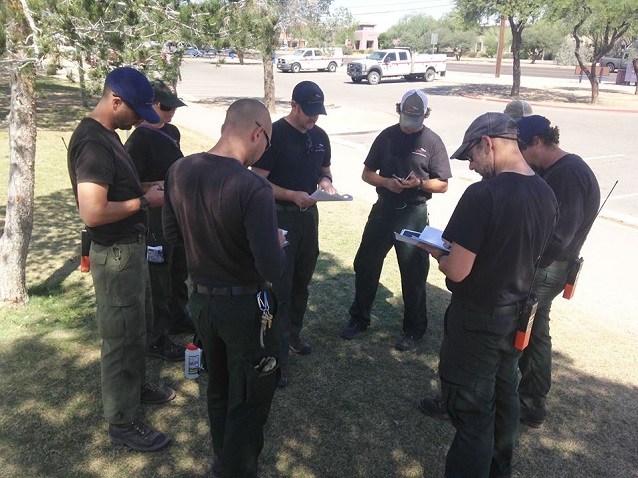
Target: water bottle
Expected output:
[192,361]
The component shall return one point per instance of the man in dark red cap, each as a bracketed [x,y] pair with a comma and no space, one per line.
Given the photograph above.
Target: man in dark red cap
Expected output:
[114,208]
[297,164]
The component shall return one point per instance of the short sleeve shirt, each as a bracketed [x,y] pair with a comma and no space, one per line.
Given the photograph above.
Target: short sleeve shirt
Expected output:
[96,155]
[505,221]
[399,153]
[295,159]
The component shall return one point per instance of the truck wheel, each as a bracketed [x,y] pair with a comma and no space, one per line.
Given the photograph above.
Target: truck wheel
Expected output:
[332,67]
[356,80]
[296,68]
[430,74]
[611,67]
[374,78]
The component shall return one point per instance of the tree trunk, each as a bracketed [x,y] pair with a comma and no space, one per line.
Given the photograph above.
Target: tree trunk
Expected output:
[14,243]
[634,62]
[269,83]
[84,94]
[593,80]
[517,41]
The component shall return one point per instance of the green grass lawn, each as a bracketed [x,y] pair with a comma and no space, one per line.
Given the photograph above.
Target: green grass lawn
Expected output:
[350,409]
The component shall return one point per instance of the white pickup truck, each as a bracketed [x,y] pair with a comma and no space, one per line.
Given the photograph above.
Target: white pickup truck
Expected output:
[397,62]
[311,59]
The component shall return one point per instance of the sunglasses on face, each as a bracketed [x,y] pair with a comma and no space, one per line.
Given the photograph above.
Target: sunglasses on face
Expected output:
[265,136]
[166,108]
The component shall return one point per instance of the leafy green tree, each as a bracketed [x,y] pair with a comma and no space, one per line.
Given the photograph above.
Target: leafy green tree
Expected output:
[414,31]
[598,23]
[543,38]
[332,30]
[518,14]
[454,35]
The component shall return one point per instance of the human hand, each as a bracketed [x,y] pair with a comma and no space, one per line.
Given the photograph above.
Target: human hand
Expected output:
[155,195]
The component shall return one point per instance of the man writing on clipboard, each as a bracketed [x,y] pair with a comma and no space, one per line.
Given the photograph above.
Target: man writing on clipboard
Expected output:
[407,163]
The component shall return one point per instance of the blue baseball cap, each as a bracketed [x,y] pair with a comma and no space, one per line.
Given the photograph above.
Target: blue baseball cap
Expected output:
[309,97]
[530,126]
[134,88]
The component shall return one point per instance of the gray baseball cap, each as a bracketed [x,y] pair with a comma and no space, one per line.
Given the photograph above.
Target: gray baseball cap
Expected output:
[488,124]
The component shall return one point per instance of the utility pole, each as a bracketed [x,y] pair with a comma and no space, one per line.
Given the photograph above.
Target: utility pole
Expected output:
[499,50]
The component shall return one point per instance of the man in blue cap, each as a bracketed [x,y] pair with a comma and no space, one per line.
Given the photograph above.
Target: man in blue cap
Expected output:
[297,164]
[578,194]
[114,207]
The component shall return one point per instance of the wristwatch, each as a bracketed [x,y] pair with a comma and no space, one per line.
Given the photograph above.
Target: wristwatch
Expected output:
[144,204]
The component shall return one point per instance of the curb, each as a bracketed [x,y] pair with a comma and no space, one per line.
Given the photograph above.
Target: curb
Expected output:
[550,105]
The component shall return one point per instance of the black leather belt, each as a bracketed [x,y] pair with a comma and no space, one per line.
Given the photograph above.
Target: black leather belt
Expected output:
[291,207]
[233,290]
[498,310]
[134,239]
[138,238]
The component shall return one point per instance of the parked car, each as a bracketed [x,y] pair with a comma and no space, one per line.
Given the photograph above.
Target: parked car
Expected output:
[615,62]
[198,52]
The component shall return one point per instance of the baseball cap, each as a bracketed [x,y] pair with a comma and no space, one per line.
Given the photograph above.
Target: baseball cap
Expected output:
[531,126]
[413,107]
[516,109]
[488,124]
[162,93]
[133,87]
[309,97]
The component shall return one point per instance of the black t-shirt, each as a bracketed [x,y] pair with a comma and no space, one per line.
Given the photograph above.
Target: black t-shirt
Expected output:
[395,152]
[505,221]
[154,151]
[295,159]
[96,155]
[578,195]
[225,216]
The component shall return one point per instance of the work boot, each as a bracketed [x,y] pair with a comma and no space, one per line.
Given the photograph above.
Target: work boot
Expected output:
[151,395]
[138,436]
[168,350]
[434,407]
[351,330]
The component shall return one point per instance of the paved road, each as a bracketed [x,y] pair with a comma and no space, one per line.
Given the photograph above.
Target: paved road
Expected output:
[539,70]
[603,138]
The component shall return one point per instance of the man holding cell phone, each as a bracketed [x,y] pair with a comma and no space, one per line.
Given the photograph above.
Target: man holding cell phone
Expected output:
[407,163]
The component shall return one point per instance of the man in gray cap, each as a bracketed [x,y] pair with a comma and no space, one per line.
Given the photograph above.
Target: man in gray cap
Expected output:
[297,164]
[114,207]
[407,163]
[496,235]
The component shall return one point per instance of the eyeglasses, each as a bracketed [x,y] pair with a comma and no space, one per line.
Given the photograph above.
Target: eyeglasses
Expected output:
[310,148]
[268,143]
[165,107]
[467,156]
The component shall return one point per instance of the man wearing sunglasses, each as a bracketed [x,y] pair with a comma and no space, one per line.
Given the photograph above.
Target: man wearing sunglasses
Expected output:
[154,148]
[114,206]
[225,217]
[297,164]
[496,234]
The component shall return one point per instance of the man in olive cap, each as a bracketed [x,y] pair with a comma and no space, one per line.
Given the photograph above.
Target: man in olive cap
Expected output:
[154,148]
[114,207]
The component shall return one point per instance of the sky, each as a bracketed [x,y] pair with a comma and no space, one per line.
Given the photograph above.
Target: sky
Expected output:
[385,13]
